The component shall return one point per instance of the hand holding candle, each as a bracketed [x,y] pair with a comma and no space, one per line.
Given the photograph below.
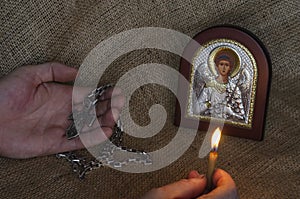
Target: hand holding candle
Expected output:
[194,186]
[213,155]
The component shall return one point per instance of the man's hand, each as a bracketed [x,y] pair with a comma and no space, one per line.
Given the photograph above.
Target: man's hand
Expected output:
[194,187]
[35,106]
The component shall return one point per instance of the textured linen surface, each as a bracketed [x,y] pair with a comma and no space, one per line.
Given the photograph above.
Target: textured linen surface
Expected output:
[33,32]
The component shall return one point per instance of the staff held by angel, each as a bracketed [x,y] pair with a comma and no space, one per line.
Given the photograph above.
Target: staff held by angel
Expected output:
[220,96]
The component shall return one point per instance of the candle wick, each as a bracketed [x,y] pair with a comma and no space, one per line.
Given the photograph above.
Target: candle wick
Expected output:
[214,149]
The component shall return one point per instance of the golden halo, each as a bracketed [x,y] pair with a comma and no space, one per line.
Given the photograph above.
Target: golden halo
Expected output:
[237,61]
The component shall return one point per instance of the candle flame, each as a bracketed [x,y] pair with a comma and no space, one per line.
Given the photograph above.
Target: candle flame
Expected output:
[215,139]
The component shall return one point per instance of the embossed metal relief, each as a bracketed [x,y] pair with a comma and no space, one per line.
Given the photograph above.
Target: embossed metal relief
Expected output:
[231,99]
[228,75]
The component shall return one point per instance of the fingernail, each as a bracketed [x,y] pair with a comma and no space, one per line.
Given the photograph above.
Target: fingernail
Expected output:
[201,176]
[196,174]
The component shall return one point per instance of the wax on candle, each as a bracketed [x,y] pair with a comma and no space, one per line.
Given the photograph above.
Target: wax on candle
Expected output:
[212,159]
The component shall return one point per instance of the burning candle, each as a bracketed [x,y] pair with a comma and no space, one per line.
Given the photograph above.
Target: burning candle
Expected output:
[213,155]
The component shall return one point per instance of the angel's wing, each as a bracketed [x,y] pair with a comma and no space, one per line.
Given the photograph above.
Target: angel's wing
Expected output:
[201,76]
[198,83]
[245,83]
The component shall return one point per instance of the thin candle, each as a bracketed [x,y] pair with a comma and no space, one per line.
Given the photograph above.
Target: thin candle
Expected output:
[213,155]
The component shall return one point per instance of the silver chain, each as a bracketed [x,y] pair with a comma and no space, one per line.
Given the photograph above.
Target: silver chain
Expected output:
[113,146]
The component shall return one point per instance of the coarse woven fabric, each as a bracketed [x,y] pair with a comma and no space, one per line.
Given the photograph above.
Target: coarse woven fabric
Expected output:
[33,32]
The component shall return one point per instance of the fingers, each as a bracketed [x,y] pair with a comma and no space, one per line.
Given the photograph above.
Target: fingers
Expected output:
[185,188]
[225,186]
[109,118]
[54,141]
[108,112]
[100,130]
[108,107]
[116,102]
[95,136]
[111,98]
[50,72]
[194,174]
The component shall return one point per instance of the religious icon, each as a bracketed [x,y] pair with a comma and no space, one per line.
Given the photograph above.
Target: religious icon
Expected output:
[223,77]
[228,82]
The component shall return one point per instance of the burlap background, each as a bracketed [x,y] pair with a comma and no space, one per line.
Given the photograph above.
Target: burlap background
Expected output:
[38,31]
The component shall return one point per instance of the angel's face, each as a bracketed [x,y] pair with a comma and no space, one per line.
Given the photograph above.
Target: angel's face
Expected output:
[224,67]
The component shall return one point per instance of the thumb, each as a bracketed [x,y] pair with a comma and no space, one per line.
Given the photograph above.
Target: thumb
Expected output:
[49,72]
[225,186]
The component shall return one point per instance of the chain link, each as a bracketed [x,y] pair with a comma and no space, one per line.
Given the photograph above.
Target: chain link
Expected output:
[114,145]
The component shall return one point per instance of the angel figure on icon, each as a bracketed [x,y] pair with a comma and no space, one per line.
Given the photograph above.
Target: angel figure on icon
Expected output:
[220,96]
